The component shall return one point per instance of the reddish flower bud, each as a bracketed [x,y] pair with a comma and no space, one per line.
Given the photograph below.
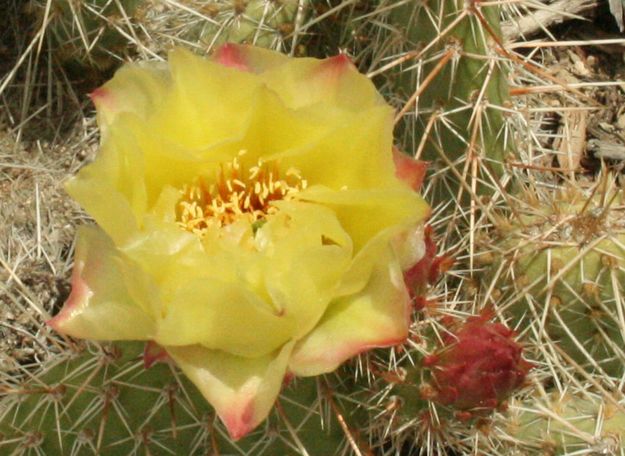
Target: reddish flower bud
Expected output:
[481,368]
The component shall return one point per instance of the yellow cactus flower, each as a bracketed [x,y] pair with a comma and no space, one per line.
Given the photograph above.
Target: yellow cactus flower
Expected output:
[251,222]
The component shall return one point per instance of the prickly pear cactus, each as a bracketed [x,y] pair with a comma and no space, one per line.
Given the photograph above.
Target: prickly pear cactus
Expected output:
[97,33]
[88,33]
[561,260]
[260,22]
[465,371]
[456,85]
[567,424]
[558,265]
[102,400]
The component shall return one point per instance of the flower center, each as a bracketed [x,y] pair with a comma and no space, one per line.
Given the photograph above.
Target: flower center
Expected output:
[236,192]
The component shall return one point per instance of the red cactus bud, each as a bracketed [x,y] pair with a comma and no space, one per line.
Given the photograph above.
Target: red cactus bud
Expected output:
[481,368]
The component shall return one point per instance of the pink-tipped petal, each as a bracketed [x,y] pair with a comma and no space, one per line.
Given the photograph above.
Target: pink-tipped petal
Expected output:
[80,294]
[248,58]
[102,98]
[334,84]
[109,296]
[377,316]
[331,70]
[230,55]
[208,102]
[242,390]
[135,89]
[409,170]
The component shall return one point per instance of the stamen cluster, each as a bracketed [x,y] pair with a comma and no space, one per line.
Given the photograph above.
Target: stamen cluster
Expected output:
[236,192]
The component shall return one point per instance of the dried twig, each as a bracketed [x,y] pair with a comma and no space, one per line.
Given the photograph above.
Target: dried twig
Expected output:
[547,16]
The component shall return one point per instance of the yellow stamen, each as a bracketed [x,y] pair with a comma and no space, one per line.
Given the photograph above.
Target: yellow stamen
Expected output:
[236,192]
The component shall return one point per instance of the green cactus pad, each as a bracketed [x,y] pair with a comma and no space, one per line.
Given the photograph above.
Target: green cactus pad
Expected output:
[259,22]
[563,262]
[467,89]
[103,401]
[88,33]
[566,425]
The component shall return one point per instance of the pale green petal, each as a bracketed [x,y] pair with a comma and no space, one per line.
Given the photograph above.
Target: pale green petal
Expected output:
[377,316]
[242,390]
[223,316]
[174,256]
[163,249]
[111,298]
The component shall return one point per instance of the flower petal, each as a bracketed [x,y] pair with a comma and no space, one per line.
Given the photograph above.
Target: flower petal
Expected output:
[307,253]
[136,88]
[167,253]
[135,165]
[117,173]
[208,102]
[377,316]
[222,316]
[275,128]
[354,154]
[230,55]
[334,82]
[167,163]
[365,213]
[409,170]
[306,81]
[242,390]
[111,298]
[248,58]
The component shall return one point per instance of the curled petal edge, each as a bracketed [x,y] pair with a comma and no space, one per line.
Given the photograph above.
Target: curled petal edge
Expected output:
[376,317]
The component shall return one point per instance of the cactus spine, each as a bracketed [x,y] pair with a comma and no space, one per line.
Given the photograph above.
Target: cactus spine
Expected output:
[102,400]
[95,33]
[567,424]
[563,258]
[458,88]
